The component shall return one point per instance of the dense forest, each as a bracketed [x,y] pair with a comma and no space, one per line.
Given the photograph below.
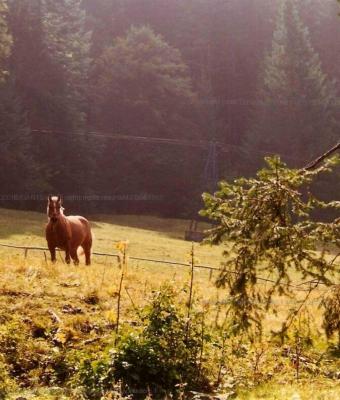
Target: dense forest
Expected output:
[141,105]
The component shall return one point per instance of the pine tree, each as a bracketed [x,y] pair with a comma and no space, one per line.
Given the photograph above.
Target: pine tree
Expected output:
[5,40]
[142,78]
[68,44]
[296,113]
[50,60]
[18,171]
[15,148]
[322,18]
[142,87]
[49,63]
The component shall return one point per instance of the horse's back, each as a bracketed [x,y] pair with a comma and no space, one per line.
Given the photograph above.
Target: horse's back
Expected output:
[80,227]
[78,219]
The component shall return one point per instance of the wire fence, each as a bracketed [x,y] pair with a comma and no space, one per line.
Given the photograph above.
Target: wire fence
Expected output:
[297,286]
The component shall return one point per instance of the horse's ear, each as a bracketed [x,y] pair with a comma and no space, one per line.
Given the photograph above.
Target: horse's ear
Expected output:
[49,197]
[59,199]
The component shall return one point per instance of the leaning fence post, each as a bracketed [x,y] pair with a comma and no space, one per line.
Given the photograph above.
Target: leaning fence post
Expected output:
[122,246]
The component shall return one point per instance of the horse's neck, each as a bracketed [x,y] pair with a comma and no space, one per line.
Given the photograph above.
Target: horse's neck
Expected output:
[62,220]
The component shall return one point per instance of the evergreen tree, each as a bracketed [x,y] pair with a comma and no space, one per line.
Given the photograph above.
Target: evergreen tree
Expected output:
[49,63]
[15,148]
[5,40]
[50,60]
[18,171]
[68,44]
[213,37]
[142,78]
[296,113]
[322,19]
[140,84]
[142,88]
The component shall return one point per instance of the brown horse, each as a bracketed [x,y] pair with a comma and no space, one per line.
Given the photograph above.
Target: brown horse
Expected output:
[67,233]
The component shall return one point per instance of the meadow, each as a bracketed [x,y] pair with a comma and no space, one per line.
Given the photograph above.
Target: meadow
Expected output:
[50,313]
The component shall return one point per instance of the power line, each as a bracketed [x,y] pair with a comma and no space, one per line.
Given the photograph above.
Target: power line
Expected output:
[142,139]
[204,144]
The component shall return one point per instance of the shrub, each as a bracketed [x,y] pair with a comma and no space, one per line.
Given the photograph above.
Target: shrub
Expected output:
[159,358]
[95,377]
[331,305]
[165,355]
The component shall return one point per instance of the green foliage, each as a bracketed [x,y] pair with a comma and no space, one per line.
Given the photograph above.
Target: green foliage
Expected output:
[94,378]
[331,305]
[16,146]
[50,60]
[68,45]
[165,354]
[268,223]
[169,69]
[49,65]
[5,40]
[142,87]
[159,358]
[296,99]
[141,77]
[28,358]
[13,344]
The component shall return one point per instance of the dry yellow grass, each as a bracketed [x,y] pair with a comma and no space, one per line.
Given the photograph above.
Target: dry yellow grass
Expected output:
[34,291]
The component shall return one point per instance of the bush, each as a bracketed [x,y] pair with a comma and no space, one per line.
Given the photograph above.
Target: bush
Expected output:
[94,377]
[165,355]
[331,317]
[160,358]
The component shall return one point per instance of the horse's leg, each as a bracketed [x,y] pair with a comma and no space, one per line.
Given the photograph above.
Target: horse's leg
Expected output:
[87,250]
[74,255]
[53,253]
[67,254]
[87,244]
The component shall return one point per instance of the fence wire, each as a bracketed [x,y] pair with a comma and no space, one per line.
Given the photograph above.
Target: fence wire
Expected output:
[297,286]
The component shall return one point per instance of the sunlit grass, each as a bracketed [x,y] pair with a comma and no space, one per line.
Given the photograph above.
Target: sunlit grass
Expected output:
[305,390]
[32,289]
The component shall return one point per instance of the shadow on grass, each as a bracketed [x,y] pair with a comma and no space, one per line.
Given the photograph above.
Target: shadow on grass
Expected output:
[171,228]
[25,224]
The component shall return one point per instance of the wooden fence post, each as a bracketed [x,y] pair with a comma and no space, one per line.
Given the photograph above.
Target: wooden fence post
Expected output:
[123,260]
[192,265]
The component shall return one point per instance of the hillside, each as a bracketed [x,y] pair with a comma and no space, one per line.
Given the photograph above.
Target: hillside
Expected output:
[54,316]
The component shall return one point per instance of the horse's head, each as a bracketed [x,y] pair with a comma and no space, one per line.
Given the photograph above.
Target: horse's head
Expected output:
[54,208]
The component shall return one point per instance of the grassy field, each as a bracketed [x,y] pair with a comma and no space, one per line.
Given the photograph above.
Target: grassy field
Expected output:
[35,296]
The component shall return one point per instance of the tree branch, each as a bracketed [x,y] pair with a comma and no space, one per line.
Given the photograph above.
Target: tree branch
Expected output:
[316,162]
